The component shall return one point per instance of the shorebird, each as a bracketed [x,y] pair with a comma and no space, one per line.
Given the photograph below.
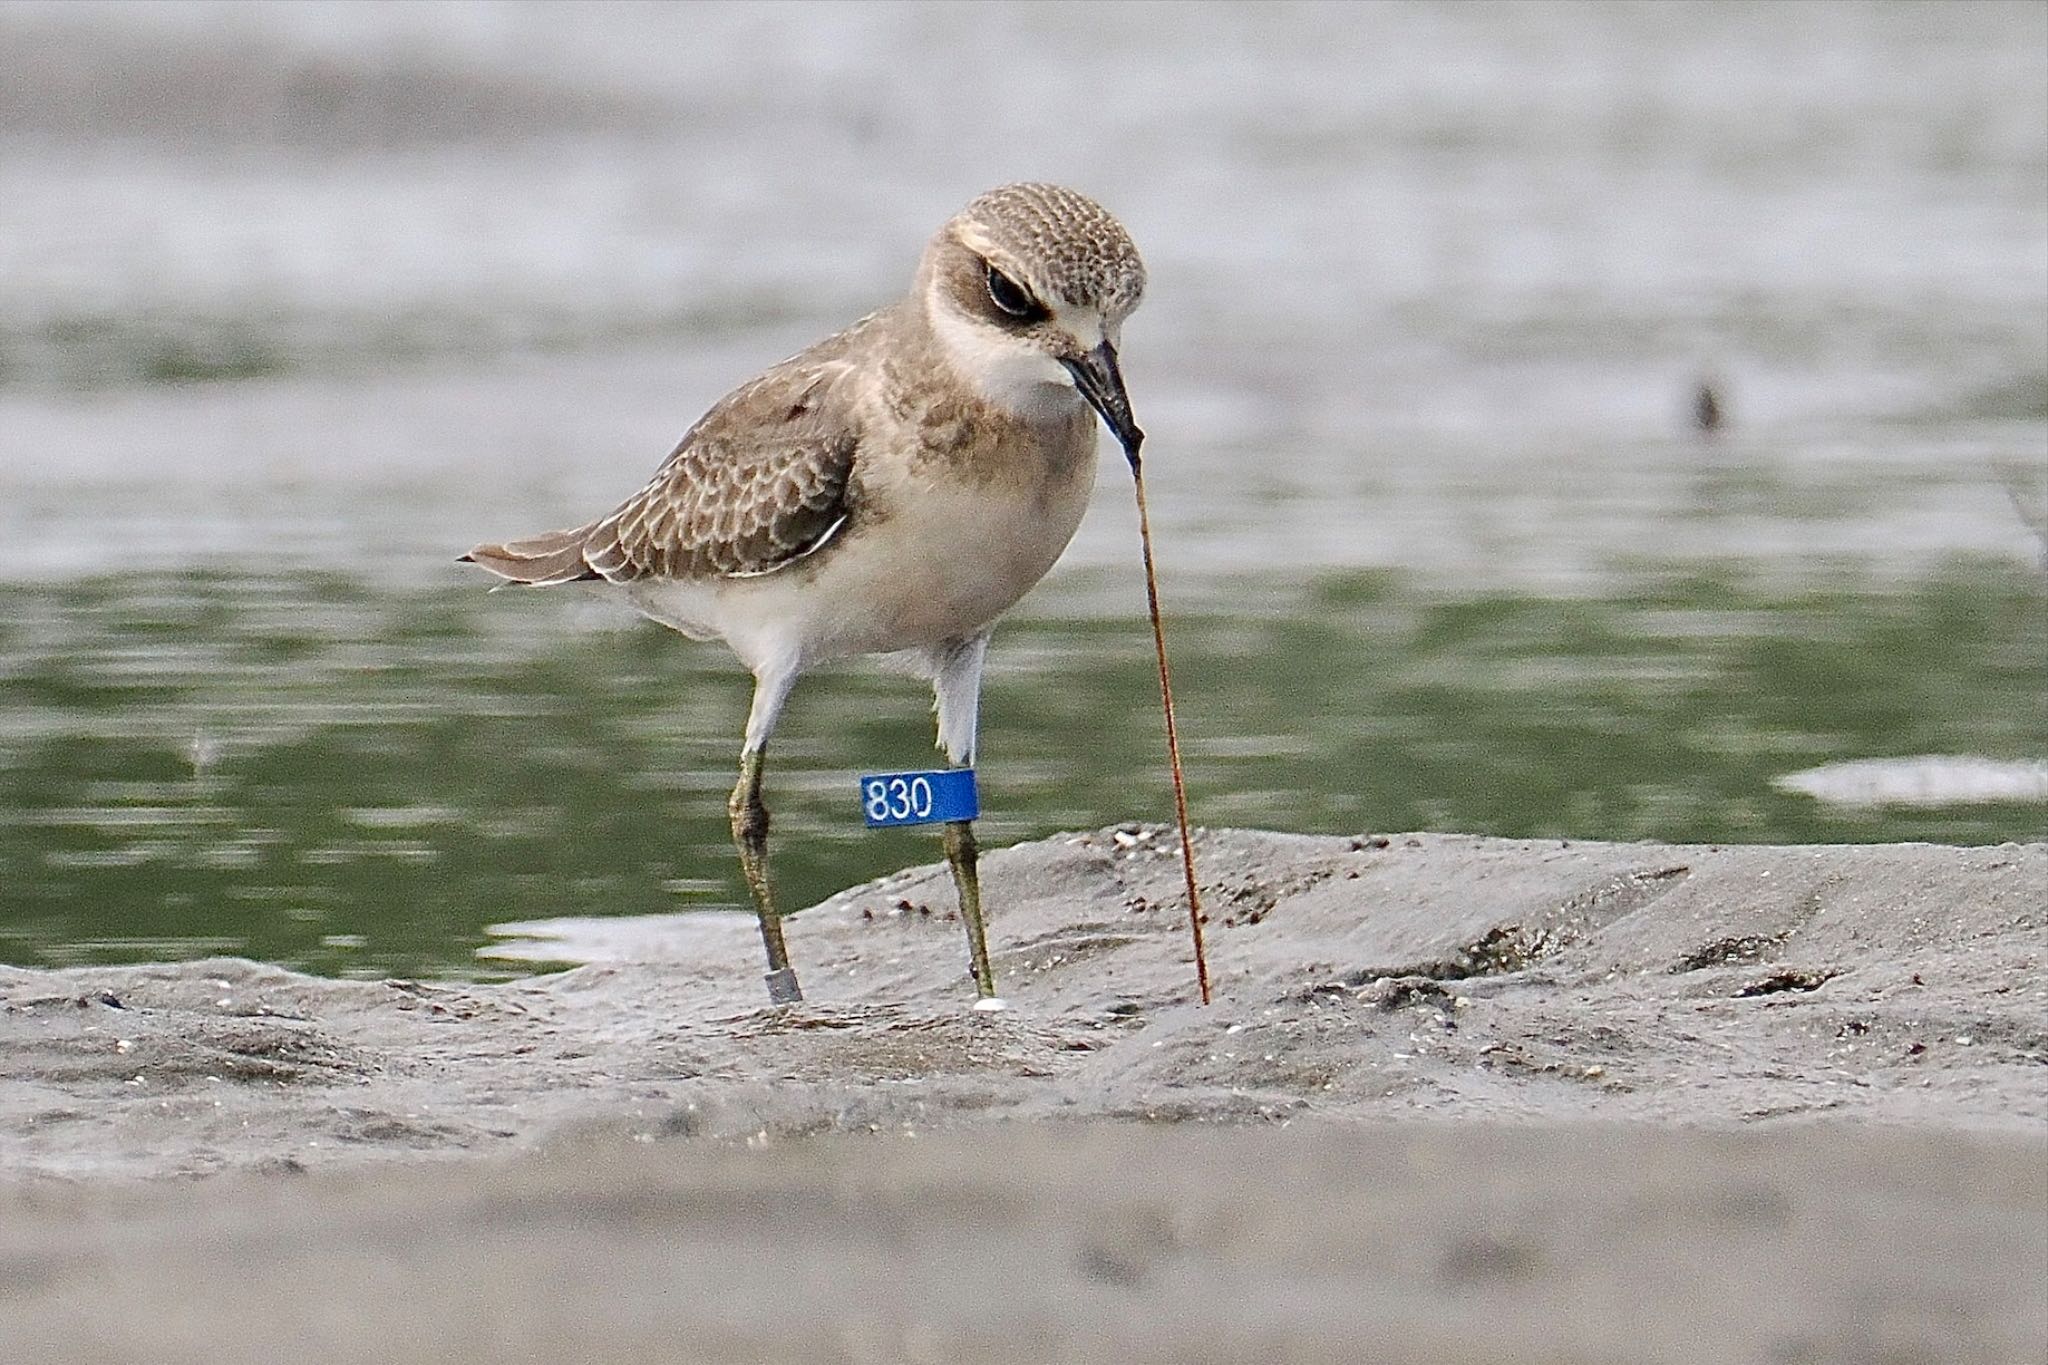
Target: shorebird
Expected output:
[894,489]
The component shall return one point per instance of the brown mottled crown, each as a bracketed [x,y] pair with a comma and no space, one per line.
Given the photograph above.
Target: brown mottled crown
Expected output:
[1068,244]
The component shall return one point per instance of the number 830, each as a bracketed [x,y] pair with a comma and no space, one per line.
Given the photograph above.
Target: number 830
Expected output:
[898,798]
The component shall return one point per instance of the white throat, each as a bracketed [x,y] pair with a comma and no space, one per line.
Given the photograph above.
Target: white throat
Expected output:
[1021,380]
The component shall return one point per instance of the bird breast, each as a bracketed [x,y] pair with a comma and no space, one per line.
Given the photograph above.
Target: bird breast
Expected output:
[950,543]
[940,545]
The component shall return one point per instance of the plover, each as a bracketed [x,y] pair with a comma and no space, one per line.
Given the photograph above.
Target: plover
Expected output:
[894,489]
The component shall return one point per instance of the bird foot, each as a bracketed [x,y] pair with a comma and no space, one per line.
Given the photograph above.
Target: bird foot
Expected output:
[782,987]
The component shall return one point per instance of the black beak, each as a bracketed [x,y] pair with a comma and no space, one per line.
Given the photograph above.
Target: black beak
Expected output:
[1102,384]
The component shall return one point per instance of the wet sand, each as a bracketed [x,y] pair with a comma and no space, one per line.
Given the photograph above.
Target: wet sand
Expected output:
[1458,1099]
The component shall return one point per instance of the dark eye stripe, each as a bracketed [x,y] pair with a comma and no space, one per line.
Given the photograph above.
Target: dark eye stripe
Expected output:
[1012,299]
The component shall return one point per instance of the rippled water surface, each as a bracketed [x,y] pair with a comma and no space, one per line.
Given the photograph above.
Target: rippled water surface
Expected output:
[319,771]
[296,302]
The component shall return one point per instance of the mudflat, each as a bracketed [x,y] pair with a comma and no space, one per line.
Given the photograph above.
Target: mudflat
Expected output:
[1458,1099]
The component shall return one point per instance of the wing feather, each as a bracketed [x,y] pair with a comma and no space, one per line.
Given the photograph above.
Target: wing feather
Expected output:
[764,479]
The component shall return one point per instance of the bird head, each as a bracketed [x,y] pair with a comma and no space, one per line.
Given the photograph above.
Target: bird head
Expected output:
[1027,289]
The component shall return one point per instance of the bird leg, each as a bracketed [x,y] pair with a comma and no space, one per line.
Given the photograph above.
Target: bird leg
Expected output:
[960,856]
[956,692]
[750,836]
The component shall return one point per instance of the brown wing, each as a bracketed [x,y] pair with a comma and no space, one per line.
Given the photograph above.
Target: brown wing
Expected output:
[760,481]
[539,561]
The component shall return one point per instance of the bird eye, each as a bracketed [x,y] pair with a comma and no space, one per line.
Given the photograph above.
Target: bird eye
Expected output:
[1012,298]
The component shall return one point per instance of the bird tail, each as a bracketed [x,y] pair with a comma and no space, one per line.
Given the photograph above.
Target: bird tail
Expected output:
[539,561]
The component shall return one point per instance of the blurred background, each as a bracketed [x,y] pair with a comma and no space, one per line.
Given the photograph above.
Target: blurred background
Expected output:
[1582,421]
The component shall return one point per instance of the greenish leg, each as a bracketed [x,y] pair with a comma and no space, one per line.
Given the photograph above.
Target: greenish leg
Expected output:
[750,836]
[960,855]
[956,696]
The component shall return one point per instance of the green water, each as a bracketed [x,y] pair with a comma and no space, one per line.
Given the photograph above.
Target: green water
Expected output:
[353,779]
